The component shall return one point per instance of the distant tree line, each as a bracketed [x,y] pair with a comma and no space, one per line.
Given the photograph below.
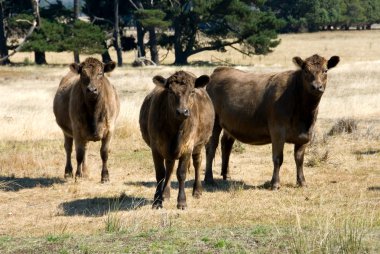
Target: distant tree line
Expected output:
[187,27]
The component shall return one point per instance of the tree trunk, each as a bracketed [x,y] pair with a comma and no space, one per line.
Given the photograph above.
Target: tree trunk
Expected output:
[153,46]
[140,39]
[3,38]
[116,35]
[39,57]
[76,16]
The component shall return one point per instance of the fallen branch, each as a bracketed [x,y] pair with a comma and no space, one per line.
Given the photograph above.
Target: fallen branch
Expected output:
[36,23]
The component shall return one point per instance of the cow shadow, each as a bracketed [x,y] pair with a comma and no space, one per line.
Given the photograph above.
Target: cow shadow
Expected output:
[219,185]
[20,183]
[94,207]
[367,152]
[374,188]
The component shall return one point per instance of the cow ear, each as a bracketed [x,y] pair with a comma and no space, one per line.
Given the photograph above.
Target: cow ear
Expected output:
[298,61]
[333,61]
[110,66]
[159,81]
[202,81]
[76,68]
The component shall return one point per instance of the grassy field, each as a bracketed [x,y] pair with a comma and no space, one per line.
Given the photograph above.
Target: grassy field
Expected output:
[339,211]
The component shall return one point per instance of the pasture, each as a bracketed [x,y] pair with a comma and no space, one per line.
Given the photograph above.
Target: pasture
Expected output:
[339,211]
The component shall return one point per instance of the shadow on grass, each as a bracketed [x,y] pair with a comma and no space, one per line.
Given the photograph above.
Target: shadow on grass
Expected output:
[374,188]
[15,184]
[367,152]
[101,206]
[219,185]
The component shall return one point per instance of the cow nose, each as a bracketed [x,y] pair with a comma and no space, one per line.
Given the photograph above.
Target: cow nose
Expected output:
[183,112]
[318,86]
[92,89]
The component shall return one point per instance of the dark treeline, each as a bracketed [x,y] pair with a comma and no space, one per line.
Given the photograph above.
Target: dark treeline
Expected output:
[187,27]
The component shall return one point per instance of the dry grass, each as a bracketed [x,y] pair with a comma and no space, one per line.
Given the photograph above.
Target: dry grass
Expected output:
[339,209]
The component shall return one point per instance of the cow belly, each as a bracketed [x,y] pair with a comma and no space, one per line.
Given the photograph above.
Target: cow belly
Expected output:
[247,134]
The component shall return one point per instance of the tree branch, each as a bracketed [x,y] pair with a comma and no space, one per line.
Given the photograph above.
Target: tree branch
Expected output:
[36,24]
[196,51]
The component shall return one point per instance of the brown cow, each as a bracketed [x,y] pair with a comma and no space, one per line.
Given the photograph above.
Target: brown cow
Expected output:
[86,106]
[272,108]
[176,121]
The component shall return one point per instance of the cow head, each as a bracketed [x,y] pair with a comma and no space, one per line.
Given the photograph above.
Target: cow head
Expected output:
[91,73]
[180,88]
[314,72]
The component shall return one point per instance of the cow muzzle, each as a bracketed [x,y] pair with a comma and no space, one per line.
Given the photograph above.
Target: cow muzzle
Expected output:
[317,87]
[183,113]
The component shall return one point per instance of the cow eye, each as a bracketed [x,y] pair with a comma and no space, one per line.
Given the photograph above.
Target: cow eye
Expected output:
[325,71]
[192,92]
[100,74]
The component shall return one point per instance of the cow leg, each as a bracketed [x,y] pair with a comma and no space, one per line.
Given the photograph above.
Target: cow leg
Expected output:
[160,177]
[183,165]
[299,152]
[68,149]
[104,150]
[81,150]
[210,152]
[277,157]
[227,142]
[197,161]
[169,164]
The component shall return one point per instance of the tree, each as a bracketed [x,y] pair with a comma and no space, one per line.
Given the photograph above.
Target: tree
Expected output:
[76,17]
[214,25]
[3,38]
[117,34]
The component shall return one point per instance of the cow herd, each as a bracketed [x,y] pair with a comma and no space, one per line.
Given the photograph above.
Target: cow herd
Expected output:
[185,113]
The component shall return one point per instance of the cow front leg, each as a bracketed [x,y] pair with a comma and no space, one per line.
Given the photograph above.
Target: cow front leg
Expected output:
[169,164]
[197,161]
[181,176]
[160,177]
[278,141]
[227,142]
[299,152]
[68,148]
[104,150]
[210,152]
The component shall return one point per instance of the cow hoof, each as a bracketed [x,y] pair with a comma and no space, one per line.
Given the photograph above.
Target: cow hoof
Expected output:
[181,206]
[197,194]
[157,205]
[105,179]
[302,184]
[68,175]
[166,194]
[275,186]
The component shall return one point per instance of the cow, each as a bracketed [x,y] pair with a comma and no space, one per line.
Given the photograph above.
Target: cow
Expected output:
[176,121]
[260,109]
[86,106]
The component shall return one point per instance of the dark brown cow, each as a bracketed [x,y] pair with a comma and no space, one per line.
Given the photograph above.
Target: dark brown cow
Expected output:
[176,121]
[272,108]
[86,106]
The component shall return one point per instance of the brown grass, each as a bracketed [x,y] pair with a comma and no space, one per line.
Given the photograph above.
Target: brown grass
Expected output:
[342,171]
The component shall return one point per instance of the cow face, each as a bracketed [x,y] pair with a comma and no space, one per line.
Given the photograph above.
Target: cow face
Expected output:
[180,89]
[91,75]
[314,70]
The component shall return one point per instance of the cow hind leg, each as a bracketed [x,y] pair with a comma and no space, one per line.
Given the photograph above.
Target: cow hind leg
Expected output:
[210,152]
[104,150]
[81,150]
[299,152]
[197,188]
[227,142]
[68,148]
[160,177]
[169,164]
[181,176]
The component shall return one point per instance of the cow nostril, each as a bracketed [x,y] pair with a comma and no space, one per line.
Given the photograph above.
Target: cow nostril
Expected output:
[186,112]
